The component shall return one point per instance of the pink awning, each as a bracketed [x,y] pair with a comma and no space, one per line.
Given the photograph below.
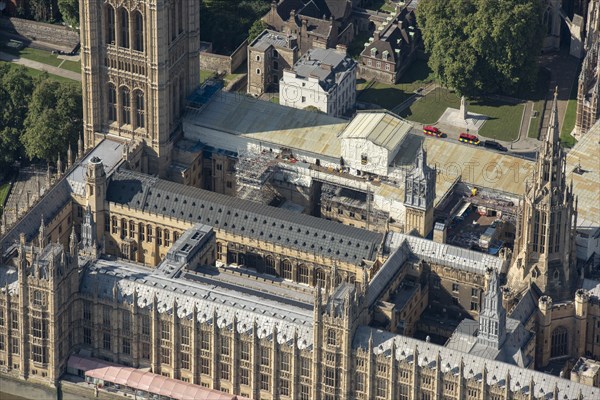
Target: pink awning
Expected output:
[146,381]
[111,373]
[157,383]
[123,376]
[135,378]
[168,387]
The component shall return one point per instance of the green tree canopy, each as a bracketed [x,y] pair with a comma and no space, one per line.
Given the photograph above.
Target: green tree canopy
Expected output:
[482,46]
[257,27]
[54,120]
[69,9]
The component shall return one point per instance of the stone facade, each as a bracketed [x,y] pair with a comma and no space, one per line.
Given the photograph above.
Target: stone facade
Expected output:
[588,92]
[57,35]
[224,64]
[140,63]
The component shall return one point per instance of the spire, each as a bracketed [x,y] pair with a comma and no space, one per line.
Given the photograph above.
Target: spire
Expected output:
[58,166]
[69,157]
[80,147]
[73,242]
[492,318]
[42,234]
[553,134]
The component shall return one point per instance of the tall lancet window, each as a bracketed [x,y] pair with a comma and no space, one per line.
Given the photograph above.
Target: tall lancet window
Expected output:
[124,28]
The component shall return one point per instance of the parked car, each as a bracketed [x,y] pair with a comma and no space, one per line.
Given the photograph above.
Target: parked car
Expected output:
[492,144]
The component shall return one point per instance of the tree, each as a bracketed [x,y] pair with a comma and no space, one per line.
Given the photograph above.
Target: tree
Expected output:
[16,88]
[482,46]
[10,148]
[54,121]
[257,27]
[69,9]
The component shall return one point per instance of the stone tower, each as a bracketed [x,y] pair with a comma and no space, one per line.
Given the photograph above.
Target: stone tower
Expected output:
[139,63]
[419,194]
[545,253]
[95,192]
[492,318]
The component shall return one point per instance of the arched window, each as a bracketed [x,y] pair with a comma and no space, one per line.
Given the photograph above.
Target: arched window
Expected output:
[123,228]
[110,26]
[125,106]
[286,270]
[320,278]
[167,236]
[140,120]
[112,102]
[138,31]
[124,28]
[131,228]
[141,231]
[303,274]
[270,265]
[559,342]
[114,226]
[148,233]
[159,236]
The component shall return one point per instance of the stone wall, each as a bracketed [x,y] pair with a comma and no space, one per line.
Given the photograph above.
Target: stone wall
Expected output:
[222,63]
[57,35]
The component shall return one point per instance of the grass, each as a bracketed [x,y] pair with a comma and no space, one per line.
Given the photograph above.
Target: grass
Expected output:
[538,96]
[569,121]
[4,189]
[380,5]
[34,73]
[431,107]
[205,75]
[42,56]
[504,118]
[389,96]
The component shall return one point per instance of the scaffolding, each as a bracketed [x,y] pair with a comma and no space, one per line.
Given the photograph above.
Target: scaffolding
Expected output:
[253,176]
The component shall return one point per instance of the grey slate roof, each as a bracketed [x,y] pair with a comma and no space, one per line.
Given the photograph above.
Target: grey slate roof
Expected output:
[245,218]
[520,378]
[111,154]
[313,64]
[208,294]
[444,254]
[387,272]
[9,278]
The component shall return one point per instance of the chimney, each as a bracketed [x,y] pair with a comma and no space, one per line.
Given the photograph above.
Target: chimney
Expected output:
[341,49]
[376,35]
[439,232]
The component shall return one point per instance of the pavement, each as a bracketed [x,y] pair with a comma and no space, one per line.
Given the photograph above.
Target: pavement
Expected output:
[40,66]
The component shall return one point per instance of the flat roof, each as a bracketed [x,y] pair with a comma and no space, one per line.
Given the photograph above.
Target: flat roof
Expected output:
[586,182]
[382,128]
[231,114]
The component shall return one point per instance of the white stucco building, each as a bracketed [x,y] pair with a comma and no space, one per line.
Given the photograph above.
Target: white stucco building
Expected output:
[322,78]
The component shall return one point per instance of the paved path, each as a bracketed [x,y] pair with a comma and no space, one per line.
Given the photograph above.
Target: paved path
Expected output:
[40,66]
[415,97]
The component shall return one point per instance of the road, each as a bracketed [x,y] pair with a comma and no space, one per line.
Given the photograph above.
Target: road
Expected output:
[40,66]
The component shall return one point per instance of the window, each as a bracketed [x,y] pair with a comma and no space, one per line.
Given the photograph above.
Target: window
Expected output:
[145,325]
[140,121]
[15,345]
[364,159]
[159,238]
[330,377]
[39,328]
[106,341]
[109,15]
[167,236]
[284,387]
[131,229]
[304,99]
[257,58]
[559,345]
[141,231]
[265,356]
[205,366]
[138,38]
[331,338]
[145,351]
[124,28]
[320,278]
[285,361]
[165,355]
[185,361]
[87,336]
[244,376]
[474,292]
[257,71]
[378,64]
[148,233]
[125,106]
[112,102]
[126,323]
[165,329]
[270,265]
[381,388]
[2,343]
[40,354]
[126,348]
[224,346]
[305,367]
[245,351]
[387,67]
[474,306]
[225,371]
[185,335]
[455,287]
[87,311]
[114,226]
[205,341]
[360,382]
[106,317]
[304,392]
[39,298]
[264,382]
[286,270]
[369,62]
[303,275]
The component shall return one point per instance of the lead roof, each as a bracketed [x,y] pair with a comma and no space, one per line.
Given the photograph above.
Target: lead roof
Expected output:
[245,218]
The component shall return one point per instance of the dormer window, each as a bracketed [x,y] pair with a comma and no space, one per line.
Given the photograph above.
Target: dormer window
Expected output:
[373,52]
[385,55]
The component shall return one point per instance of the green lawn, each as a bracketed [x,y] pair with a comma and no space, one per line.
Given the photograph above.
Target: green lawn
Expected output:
[389,96]
[538,96]
[35,73]
[504,118]
[42,56]
[569,121]
[4,189]
[431,107]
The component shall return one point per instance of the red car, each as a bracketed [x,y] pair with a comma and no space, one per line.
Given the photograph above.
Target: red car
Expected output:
[468,138]
[432,130]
